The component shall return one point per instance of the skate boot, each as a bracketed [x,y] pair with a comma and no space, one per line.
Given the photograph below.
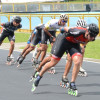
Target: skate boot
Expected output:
[35,83]
[64,83]
[39,62]
[72,90]
[34,53]
[20,60]
[35,62]
[52,70]
[9,60]
[12,57]
[35,74]
[82,72]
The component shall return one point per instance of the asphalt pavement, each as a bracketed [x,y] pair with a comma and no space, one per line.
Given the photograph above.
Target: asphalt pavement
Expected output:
[15,85]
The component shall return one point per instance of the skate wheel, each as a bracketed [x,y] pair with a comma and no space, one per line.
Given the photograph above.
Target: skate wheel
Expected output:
[61,84]
[67,85]
[75,93]
[64,85]
[37,73]
[18,65]
[33,88]
[8,63]
[69,91]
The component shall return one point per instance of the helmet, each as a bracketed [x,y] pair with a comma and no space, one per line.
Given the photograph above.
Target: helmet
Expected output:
[64,17]
[17,19]
[81,23]
[93,30]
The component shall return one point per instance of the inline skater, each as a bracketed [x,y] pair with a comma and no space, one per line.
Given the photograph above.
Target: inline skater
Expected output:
[8,31]
[70,40]
[64,83]
[49,33]
[34,39]
[28,43]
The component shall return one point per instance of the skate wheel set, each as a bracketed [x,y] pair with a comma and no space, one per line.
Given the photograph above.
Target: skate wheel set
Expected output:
[72,92]
[64,85]
[52,71]
[32,78]
[84,74]
[33,87]
[10,62]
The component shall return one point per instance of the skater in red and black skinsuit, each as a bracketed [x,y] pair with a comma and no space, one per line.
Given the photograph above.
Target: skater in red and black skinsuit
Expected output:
[70,40]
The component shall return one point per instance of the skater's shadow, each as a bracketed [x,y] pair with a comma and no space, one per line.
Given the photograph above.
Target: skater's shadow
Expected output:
[90,73]
[49,92]
[25,68]
[54,93]
[89,85]
[90,93]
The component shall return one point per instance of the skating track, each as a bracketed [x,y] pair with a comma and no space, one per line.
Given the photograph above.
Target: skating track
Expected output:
[15,85]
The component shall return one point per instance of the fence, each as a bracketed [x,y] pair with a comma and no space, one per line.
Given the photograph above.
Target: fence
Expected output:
[42,7]
[29,21]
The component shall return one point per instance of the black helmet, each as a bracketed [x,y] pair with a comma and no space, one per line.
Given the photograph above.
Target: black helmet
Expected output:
[93,30]
[17,19]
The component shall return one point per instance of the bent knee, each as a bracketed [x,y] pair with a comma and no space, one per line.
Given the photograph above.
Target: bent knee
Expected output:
[12,43]
[77,57]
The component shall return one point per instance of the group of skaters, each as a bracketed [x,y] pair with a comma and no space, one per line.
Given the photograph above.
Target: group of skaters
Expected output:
[70,40]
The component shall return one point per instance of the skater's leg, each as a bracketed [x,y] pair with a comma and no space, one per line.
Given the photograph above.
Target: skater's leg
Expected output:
[43,51]
[42,48]
[68,65]
[11,48]
[28,50]
[48,65]
[83,51]
[27,46]
[82,72]
[38,54]
[77,62]
[45,60]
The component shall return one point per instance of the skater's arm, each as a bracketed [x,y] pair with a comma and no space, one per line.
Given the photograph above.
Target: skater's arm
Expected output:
[5,25]
[19,26]
[47,32]
[64,29]
[32,36]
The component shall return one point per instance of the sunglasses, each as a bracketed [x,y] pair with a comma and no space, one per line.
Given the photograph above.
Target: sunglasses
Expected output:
[64,21]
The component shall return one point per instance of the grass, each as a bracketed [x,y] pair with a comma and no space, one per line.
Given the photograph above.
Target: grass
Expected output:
[92,49]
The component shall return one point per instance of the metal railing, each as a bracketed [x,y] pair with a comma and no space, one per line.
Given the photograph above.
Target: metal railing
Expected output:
[42,7]
[29,21]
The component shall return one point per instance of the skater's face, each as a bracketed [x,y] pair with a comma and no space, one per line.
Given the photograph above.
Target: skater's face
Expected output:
[62,22]
[89,37]
[15,24]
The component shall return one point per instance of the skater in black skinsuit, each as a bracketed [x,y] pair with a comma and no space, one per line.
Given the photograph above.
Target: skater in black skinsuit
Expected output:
[8,31]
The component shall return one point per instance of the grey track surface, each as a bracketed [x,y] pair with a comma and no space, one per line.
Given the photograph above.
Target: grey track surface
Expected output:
[15,85]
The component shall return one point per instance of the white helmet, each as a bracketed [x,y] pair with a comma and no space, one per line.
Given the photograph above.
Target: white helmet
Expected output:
[64,17]
[81,23]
